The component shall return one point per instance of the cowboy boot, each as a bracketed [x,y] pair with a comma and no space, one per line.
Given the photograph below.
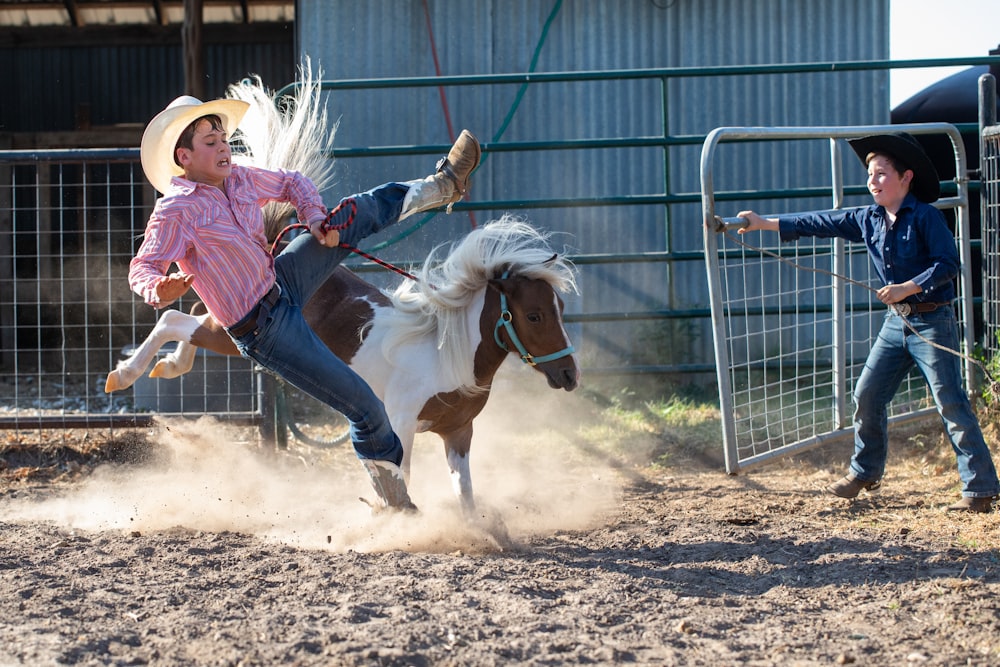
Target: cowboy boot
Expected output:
[387,480]
[967,504]
[449,183]
[850,486]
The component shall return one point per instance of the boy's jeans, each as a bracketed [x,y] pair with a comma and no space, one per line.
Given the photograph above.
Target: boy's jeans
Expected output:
[285,345]
[895,352]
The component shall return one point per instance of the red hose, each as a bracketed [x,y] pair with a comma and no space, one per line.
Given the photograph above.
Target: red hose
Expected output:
[444,99]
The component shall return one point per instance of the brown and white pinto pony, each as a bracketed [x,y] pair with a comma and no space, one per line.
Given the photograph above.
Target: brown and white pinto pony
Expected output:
[431,348]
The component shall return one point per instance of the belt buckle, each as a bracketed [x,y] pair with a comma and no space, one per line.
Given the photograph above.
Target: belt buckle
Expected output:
[243,329]
[902,309]
[271,296]
[252,319]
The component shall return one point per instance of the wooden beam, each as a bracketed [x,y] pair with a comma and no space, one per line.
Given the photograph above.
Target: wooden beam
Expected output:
[159,12]
[73,12]
[193,48]
[44,37]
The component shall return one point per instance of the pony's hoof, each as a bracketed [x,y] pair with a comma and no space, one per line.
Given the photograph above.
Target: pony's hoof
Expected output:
[492,525]
[168,369]
[113,383]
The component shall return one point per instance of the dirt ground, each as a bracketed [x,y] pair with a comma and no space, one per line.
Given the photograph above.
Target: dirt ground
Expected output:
[188,545]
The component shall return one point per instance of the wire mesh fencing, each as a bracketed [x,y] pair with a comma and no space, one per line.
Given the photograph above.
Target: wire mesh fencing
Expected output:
[990,198]
[70,222]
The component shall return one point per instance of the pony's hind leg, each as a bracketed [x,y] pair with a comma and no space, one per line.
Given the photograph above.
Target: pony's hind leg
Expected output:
[173,325]
[208,334]
[176,363]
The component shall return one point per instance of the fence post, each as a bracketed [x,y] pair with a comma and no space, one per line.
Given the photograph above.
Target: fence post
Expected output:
[8,340]
[271,397]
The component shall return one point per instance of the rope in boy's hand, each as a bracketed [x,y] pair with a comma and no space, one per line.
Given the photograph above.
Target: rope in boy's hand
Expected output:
[350,218]
[325,226]
[720,227]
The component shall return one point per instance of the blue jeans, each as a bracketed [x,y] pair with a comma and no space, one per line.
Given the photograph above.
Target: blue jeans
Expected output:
[285,345]
[895,352]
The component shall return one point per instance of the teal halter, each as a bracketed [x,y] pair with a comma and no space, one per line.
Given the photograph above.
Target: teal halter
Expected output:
[505,321]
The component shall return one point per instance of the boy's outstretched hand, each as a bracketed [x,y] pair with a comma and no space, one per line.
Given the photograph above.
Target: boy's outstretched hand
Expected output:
[173,287]
[755,222]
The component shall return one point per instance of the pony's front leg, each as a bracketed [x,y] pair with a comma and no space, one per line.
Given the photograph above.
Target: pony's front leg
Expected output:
[173,325]
[456,448]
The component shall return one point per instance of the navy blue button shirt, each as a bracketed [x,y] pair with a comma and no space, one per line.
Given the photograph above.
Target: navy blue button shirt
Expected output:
[918,247]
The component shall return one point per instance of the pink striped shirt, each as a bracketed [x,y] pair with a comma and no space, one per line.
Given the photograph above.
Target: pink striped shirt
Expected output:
[219,240]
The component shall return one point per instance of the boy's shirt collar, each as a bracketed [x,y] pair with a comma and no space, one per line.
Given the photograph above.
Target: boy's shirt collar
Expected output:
[909,202]
[183,186]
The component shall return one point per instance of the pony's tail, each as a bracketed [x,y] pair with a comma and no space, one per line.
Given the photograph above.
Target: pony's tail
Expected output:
[287,132]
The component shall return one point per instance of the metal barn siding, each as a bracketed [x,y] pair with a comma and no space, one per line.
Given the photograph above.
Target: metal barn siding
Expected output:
[50,89]
[391,38]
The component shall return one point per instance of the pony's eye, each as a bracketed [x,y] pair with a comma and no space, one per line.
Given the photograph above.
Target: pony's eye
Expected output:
[534,318]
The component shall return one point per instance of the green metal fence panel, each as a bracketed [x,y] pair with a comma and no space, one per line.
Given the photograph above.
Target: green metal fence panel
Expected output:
[70,220]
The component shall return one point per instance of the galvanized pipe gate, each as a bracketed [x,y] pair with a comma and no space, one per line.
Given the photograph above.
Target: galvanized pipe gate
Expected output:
[989,152]
[791,340]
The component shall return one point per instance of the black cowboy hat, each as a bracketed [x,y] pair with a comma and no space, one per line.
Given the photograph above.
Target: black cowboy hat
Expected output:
[926,186]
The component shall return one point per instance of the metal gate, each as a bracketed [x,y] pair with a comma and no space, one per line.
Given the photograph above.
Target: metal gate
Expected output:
[70,222]
[989,151]
[790,335]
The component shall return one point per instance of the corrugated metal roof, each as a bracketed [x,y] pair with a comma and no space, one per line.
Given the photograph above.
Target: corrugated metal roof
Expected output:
[79,13]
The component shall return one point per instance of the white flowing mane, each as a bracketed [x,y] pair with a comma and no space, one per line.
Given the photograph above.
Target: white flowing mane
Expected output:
[437,303]
[290,132]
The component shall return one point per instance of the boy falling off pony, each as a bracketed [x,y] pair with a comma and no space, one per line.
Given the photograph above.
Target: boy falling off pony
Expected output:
[210,224]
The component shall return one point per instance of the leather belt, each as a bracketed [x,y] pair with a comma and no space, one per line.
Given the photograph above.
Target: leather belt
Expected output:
[250,320]
[906,309]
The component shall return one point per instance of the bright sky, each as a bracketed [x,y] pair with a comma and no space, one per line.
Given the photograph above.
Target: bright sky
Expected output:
[937,29]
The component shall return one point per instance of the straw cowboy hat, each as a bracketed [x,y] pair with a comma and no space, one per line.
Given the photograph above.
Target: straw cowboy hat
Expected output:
[926,185]
[161,135]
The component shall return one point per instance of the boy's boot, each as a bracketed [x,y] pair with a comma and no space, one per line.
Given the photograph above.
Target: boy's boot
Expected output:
[449,183]
[967,504]
[387,480]
[850,486]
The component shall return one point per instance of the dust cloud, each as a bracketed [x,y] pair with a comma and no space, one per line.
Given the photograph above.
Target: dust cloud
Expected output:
[529,475]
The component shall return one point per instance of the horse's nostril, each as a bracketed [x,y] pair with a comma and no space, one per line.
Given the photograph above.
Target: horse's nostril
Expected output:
[564,378]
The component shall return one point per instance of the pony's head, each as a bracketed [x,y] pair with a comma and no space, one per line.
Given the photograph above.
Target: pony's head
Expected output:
[530,326]
[515,260]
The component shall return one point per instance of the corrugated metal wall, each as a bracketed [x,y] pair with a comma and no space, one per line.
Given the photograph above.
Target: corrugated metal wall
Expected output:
[391,38]
[45,89]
